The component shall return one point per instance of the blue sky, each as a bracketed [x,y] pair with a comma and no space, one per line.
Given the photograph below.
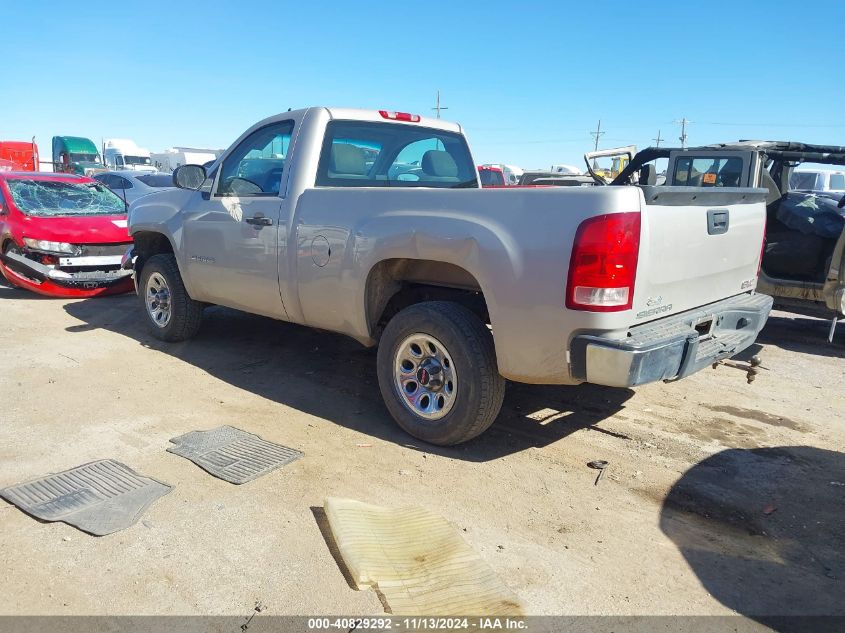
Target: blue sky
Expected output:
[528,81]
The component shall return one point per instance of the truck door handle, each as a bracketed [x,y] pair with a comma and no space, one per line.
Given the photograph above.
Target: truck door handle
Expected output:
[718,221]
[259,220]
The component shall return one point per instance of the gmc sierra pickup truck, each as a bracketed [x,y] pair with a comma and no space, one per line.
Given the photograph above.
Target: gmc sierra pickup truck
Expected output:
[373,224]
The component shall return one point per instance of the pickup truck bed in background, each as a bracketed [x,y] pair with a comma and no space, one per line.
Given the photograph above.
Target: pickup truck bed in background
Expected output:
[373,224]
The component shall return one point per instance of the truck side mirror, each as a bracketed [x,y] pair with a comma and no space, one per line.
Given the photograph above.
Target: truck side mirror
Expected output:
[189,177]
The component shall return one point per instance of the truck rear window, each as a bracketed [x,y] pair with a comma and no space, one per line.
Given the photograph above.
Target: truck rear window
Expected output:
[361,154]
[708,172]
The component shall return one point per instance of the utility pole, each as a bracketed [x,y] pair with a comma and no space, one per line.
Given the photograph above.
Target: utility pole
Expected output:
[439,107]
[657,140]
[683,137]
[597,134]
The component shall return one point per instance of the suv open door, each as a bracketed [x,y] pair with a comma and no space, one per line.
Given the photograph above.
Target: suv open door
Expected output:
[803,264]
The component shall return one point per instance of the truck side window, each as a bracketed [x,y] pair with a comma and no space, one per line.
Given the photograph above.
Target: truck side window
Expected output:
[254,168]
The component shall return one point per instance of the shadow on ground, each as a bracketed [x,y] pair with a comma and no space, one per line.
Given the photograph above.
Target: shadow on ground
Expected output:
[806,335]
[764,530]
[333,377]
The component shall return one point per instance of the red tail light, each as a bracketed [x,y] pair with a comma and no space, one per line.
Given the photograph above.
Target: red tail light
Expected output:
[400,116]
[603,267]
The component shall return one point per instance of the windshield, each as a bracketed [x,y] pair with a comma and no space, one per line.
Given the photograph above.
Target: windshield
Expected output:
[84,158]
[156,180]
[364,154]
[136,160]
[46,198]
[491,178]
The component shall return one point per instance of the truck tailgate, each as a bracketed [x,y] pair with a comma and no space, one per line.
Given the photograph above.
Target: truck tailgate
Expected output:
[697,246]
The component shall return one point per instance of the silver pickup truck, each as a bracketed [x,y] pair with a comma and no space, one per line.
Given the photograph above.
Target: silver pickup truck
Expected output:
[373,224]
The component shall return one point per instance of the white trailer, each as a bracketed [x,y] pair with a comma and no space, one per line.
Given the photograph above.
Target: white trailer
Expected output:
[170,159]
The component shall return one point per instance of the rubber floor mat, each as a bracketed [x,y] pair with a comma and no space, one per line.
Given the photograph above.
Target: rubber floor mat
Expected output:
[99,498]
[416,561]
[232,454]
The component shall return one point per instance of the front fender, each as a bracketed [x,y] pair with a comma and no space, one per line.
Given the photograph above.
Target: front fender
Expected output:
[160,214]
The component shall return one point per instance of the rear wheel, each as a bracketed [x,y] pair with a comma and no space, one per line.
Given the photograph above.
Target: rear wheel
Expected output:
[170,311]
[437,373]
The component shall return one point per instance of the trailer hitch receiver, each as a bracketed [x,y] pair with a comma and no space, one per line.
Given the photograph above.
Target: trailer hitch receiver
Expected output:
[751,368]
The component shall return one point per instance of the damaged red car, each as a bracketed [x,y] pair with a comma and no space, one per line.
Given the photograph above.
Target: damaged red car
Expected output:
[62,235]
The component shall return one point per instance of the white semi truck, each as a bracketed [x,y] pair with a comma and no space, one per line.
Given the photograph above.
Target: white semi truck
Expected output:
[123,153]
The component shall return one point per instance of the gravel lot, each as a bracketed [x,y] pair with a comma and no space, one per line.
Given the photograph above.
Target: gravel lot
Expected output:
[720,497]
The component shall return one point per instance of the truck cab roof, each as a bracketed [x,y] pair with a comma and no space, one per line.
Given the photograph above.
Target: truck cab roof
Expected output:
[358,114]
[76,144]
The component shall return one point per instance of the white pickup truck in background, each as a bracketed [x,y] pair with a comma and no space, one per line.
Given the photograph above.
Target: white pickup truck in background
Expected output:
[373,224]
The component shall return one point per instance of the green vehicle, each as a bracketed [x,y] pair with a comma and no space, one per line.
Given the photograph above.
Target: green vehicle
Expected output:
[76,155]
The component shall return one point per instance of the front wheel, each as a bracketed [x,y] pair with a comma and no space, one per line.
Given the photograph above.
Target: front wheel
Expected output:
[171,313]
[437,373]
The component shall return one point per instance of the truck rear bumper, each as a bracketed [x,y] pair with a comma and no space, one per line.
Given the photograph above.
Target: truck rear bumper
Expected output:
[671,348]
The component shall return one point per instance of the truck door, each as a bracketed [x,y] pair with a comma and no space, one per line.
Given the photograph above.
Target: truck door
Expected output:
[231,232]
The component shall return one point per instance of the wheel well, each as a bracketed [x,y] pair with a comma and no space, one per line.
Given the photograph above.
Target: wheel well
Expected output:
[395,284]
[147,244]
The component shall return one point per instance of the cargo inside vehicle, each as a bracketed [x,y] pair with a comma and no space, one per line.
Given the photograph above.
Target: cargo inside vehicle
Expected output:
[804,226]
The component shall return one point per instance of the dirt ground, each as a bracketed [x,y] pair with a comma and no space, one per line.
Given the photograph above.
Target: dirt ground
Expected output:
[720,497]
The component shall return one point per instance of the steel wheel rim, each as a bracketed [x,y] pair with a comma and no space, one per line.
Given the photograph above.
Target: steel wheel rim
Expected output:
[424,376]
[157,296]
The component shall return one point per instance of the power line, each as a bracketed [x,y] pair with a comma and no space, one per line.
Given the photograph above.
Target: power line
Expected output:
[807,125]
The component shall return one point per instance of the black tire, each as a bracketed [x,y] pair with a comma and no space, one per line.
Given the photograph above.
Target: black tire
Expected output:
[11,247]
[185,313]
[480,388]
